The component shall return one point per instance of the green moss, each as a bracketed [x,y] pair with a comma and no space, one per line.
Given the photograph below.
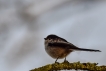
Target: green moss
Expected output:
[69,66]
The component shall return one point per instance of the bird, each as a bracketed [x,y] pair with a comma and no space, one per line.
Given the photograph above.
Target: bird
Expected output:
[59,48]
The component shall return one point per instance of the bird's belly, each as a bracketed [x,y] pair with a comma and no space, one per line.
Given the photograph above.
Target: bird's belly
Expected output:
[57,52]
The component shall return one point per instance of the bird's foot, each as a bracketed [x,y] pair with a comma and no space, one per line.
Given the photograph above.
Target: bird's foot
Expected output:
[65,61]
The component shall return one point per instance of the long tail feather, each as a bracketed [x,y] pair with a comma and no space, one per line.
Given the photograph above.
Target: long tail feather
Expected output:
[83,49]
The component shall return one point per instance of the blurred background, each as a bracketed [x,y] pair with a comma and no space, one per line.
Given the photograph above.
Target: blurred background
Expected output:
[25,23]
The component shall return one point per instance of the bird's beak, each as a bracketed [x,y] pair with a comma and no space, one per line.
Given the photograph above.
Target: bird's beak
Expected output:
[45,38]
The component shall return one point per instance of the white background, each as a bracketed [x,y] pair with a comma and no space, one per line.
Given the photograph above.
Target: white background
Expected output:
[25,23]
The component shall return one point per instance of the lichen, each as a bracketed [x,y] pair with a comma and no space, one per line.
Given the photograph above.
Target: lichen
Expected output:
[71,66]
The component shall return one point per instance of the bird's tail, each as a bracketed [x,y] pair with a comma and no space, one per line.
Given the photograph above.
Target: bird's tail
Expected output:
[83,49]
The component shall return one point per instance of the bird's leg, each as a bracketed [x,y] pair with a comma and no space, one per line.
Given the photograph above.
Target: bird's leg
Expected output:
[54,64]
[65,60]
[56,59]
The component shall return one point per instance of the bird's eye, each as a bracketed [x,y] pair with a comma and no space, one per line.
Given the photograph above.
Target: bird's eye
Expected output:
[48,38]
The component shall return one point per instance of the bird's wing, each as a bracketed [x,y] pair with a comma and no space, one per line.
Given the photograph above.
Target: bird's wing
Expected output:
[63,44]
[70,46]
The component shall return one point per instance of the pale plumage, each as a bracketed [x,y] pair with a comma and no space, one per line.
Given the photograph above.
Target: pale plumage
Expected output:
[58,47]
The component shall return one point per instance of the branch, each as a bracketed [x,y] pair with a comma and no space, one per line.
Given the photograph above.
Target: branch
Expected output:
[69,66]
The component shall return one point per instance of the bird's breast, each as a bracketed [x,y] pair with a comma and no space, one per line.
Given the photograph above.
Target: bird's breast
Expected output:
[57,52]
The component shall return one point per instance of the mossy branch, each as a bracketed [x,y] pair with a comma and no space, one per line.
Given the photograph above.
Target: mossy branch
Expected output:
[69,66]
